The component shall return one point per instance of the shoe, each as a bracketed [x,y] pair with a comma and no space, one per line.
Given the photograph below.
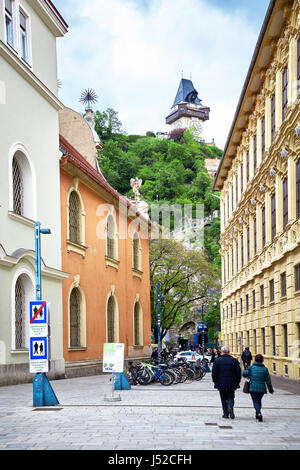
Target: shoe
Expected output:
[259,417]
[225,416]
[231,413]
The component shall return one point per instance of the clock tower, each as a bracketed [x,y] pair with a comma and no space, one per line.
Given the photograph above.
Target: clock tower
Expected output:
[187,110]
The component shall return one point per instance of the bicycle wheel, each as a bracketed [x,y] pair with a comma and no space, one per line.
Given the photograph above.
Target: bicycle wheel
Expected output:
[165,378]
[141,380]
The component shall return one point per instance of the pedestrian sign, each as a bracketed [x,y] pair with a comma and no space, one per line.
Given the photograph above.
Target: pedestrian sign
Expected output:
[38,312]
[39,354]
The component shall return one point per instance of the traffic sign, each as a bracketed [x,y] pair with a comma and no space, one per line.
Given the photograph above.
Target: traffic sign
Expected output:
[38,350]
[38,312]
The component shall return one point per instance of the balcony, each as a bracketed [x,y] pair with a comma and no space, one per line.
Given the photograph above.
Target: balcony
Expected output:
[188,110]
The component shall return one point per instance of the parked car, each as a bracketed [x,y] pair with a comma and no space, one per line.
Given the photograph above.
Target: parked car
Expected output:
[191,356]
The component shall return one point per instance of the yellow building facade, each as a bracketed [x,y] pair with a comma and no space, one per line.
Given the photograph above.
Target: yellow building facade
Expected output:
[259,181]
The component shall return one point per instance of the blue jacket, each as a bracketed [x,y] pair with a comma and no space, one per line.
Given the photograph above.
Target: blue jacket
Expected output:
[259,377]
[226,373]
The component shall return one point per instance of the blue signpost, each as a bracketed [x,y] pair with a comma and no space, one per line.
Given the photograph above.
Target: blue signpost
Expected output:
[43,394]
[158,323]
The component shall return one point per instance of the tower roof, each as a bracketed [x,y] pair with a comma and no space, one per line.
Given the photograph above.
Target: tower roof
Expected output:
[186,93]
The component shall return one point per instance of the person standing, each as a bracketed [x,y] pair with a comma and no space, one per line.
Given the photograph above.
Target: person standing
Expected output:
[259,381]
[226,375]
[246,358]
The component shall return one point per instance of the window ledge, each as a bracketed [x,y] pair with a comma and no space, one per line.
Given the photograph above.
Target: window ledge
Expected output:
[20,351]
[77,348]
[76,248]
[137,273]
[20,218]
[138,346]
[113,263]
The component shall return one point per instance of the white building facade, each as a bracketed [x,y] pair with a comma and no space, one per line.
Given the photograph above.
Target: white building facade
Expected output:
[29,179]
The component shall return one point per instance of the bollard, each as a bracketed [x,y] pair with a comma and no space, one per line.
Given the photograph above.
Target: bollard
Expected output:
[121,382]
[43,394]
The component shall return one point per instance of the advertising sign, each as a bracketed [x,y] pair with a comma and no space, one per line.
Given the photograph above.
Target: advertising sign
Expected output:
[113,357]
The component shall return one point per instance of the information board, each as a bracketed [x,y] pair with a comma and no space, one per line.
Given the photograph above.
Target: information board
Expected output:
[113,357]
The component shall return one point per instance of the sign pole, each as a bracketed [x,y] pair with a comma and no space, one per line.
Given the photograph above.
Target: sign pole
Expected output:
[158,323]
[43,393]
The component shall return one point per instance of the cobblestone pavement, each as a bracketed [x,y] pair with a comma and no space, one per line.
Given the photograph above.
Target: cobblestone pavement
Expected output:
[178,417]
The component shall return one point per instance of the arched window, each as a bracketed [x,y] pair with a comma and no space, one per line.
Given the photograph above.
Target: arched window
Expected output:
[111,320]
[22,185]
[111,248]
[74,218]
[19,315]
[18,188]
[23,292]
[75,315]
[136,252]
[138,327]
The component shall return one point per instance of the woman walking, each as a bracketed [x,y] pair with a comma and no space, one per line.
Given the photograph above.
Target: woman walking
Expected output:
[259,381]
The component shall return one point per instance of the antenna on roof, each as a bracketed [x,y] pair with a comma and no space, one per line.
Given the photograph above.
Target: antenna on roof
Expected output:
[88,97]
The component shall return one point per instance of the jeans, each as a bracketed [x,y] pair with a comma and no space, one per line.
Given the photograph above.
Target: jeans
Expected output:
[257,398]
[227,399]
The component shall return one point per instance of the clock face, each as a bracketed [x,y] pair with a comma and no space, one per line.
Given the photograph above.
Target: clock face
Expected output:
[197,125]
[178,124]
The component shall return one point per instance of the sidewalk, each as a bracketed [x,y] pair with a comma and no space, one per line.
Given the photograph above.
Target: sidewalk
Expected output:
[178,417]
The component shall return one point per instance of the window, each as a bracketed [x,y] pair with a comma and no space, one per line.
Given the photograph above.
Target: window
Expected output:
[242,249]
[284,92]
[248,244]
[283,284]
[23,36]
[255,152]
[247,167]
[263,135]
[18,187]
[273,119]
[273,216]
[272,292]
[263,334]
[111,238]
[236,189]
[285,340]
[241,306]
[20,309]
[138,333]
[232,262]
[75,314]
[262,295]
[263,222]
[255,235]
[236,308]
[247,303]
[111,320]
[231,310]
[297,277]
[298,189]
[242,178]
[285,203]
[273,340]
[74,218]
[298,65]
[254,299]
[9,22]
[237,256]
[136,252]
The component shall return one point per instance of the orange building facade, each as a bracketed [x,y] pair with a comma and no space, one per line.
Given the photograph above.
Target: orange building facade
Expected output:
[105,250]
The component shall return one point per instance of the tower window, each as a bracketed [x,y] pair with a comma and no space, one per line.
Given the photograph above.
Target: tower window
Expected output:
[9,25]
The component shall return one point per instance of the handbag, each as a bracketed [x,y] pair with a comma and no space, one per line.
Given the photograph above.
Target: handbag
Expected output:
[246,386]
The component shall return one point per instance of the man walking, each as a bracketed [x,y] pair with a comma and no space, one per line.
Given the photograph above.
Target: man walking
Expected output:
[246,357]
[226,375]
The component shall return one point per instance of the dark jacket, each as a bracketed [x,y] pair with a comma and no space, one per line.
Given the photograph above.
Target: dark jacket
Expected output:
[247,356]
[226,373]
[259,377]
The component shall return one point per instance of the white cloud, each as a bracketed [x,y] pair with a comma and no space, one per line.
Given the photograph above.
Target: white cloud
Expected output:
[133,58]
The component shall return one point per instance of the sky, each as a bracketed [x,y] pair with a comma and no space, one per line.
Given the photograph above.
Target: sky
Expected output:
[133,53]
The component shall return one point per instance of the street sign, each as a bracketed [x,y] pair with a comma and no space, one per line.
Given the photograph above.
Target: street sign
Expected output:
[38,351]
[38,330]
[113,357]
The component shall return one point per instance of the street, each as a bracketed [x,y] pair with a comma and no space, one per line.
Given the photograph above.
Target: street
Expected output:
[179,417]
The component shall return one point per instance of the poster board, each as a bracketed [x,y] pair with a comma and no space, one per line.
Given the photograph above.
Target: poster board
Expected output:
[113,357]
